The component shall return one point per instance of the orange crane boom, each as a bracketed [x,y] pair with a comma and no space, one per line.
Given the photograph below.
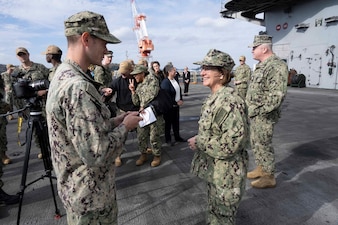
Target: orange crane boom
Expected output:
[145,45]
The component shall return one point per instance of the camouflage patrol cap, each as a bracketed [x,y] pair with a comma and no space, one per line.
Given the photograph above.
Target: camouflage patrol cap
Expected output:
[261,39]
[21,50]
[217,58]
[109,53]
[90,22]
[53,50]
[139,69]
[8,66]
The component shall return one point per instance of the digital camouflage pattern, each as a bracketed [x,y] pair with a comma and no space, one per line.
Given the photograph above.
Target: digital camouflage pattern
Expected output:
[242,73]
[261,39]
[84,142]
[144,94]
[52,72]
[90,22]
[105,217]
[221,158]
[103,76]
[36,71]
[266,92]
[9,98]
[217,58]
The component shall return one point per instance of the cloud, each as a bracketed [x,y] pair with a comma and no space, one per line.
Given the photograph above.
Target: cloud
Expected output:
[211,22]
[182,31]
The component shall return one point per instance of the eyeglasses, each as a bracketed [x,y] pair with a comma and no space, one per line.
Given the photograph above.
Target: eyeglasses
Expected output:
[253,48]
[241,60]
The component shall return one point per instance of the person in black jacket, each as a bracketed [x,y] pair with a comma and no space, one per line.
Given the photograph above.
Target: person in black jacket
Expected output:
[155,69]
[120,86]
[172,117]
[186,80]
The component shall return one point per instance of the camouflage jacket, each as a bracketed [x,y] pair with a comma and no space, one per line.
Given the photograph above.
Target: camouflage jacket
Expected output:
[146,91]
[103,76]
[267,88]
[83,140]
[7,81]
[222,137]
[36,71]
[243,73]
[52,72]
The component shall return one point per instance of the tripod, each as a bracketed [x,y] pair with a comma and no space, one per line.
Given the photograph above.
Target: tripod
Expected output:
[36,122]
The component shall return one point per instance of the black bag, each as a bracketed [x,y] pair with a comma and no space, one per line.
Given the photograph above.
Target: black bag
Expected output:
[298,80]
[162,102]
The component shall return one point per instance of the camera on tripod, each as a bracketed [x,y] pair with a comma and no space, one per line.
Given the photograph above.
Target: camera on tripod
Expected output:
[25,88]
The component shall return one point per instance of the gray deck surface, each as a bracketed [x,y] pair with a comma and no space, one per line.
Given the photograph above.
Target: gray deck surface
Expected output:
[306,146]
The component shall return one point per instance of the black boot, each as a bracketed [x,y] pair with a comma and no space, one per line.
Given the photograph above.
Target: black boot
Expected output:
[8,199]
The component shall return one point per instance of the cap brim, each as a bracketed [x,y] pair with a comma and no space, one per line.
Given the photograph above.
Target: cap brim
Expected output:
[21,52]
[109,38]
[198,63]
[205,63]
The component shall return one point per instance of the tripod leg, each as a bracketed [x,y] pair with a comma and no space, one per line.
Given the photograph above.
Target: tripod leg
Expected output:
[29,135]
[42,132]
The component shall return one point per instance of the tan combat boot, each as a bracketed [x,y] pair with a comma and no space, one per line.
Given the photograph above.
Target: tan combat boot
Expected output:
[256,173]
[141,160]
[5,159]
[266,181]
[156,161]
[118,161]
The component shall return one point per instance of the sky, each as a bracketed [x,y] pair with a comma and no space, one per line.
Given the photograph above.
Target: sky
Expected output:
[182,31]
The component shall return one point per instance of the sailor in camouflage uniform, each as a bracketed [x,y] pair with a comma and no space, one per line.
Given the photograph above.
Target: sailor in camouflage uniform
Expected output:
[147,89]
[102,72]
[265,96]
[7,85]
[84,139]
[220,155]
[242,77]
[53,56]
[32,71]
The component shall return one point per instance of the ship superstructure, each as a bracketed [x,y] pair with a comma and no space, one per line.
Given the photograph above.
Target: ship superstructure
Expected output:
[305,34]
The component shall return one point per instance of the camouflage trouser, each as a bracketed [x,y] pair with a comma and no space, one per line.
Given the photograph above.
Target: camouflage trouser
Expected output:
[151,133]
[223,203]
[242,92]
[104,217]
[261,132]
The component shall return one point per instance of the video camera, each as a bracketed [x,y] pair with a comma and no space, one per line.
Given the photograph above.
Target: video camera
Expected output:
[25,88]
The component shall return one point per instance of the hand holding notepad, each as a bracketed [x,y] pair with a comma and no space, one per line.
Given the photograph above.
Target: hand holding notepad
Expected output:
[148,116]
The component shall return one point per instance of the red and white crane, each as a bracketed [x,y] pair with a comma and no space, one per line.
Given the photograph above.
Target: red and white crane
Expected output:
[145,45]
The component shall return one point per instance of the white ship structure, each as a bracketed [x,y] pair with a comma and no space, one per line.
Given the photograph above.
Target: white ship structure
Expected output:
[305,34]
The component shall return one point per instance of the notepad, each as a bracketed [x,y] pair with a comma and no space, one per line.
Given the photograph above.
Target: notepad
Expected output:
[148,116]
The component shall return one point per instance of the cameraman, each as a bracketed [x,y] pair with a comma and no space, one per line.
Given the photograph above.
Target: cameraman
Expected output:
[33,71]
